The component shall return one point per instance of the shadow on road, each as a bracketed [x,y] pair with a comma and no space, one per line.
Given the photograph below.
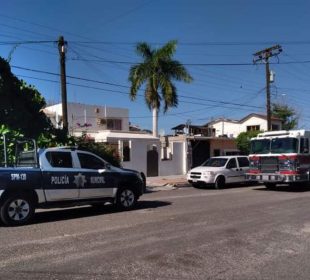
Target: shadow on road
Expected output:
[285,188]
[227,186]
[89,211]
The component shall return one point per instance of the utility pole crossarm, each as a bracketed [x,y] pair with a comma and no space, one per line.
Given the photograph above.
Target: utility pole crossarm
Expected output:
[263,56]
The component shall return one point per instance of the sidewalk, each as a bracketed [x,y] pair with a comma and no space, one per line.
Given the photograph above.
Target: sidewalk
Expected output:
[172,181]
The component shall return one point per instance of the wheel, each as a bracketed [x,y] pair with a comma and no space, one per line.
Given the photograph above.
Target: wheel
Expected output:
[17,209]
[144,182]
[219,182]
[126,198]
[270,186]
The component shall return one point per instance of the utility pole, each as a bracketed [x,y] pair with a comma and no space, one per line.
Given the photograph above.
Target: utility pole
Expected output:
[263,56]
[62,53]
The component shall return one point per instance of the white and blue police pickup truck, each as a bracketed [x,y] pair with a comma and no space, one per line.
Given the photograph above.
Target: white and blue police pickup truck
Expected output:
[62,177]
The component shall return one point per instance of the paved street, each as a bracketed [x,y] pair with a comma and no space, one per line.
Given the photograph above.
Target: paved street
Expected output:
[183,233]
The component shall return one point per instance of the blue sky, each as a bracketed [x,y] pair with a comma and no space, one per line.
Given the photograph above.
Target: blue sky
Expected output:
[102,34]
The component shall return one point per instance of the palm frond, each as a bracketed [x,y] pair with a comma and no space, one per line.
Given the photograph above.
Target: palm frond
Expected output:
[167,51]
[175,70]
[169,93]
[143,49]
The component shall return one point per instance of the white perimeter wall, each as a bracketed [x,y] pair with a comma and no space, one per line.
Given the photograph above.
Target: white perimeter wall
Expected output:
[176,165]
[138,154]
[138,158]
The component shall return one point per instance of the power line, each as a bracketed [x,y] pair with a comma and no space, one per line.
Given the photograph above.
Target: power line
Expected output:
[68,76]
[240,43]
[192,64]
[26,42]
[141,95]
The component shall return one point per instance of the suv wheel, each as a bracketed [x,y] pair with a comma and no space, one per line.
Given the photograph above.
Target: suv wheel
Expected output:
[219,182]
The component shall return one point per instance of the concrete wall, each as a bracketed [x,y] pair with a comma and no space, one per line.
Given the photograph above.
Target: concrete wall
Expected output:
[222,144]
[175,165]
[138,154]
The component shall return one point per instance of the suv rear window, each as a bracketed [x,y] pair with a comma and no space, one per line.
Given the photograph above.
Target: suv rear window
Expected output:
[243,162]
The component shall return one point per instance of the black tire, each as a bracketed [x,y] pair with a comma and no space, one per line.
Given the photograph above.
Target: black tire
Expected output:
[219,182]
[144,182]
[17,209]
[270,186]
[126,198]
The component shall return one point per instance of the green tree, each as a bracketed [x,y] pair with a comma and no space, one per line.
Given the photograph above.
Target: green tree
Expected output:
[157,71]
[243,141]
[286,114]
[21,105]
[101,149]
[11,137]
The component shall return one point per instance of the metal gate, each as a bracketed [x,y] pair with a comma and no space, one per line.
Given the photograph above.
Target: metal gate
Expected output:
[152,163]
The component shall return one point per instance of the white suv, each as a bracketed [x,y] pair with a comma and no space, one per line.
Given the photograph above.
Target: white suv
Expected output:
[219,171]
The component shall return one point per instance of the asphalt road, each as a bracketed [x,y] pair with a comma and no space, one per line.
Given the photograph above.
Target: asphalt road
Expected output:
[235,233]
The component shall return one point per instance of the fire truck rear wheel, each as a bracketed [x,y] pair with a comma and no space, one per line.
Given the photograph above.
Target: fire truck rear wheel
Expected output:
[270,186]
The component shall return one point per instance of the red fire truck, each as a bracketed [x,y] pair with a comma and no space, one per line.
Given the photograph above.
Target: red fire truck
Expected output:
[280,157]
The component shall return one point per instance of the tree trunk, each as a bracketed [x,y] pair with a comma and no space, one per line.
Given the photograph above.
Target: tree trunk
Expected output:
[155,122]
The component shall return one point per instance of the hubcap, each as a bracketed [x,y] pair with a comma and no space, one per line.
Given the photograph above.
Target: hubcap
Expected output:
[18,209]
[127,198]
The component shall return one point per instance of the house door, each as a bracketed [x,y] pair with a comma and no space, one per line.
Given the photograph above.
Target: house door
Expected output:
[152,163]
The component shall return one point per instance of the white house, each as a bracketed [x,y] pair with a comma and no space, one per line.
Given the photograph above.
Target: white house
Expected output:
[89,118]
[137,150]
[232,128]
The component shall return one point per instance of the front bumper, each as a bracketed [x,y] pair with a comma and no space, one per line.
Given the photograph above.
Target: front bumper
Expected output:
[201,180]
[277,178]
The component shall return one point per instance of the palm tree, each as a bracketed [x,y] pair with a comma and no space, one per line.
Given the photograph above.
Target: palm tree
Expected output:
[157,71]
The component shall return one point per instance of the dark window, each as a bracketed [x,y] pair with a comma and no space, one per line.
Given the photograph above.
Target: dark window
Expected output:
[217,152]
[126,151]
[304,145]
[243,162]
[90,161]
[275,127]
[114,124]
[284,145]
[253,128]
[215,162]
[232,163]
[59,159]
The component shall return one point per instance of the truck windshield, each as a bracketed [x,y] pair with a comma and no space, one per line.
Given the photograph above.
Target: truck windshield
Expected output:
[215,162]
[261,146]
[284,145]
[276,145]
